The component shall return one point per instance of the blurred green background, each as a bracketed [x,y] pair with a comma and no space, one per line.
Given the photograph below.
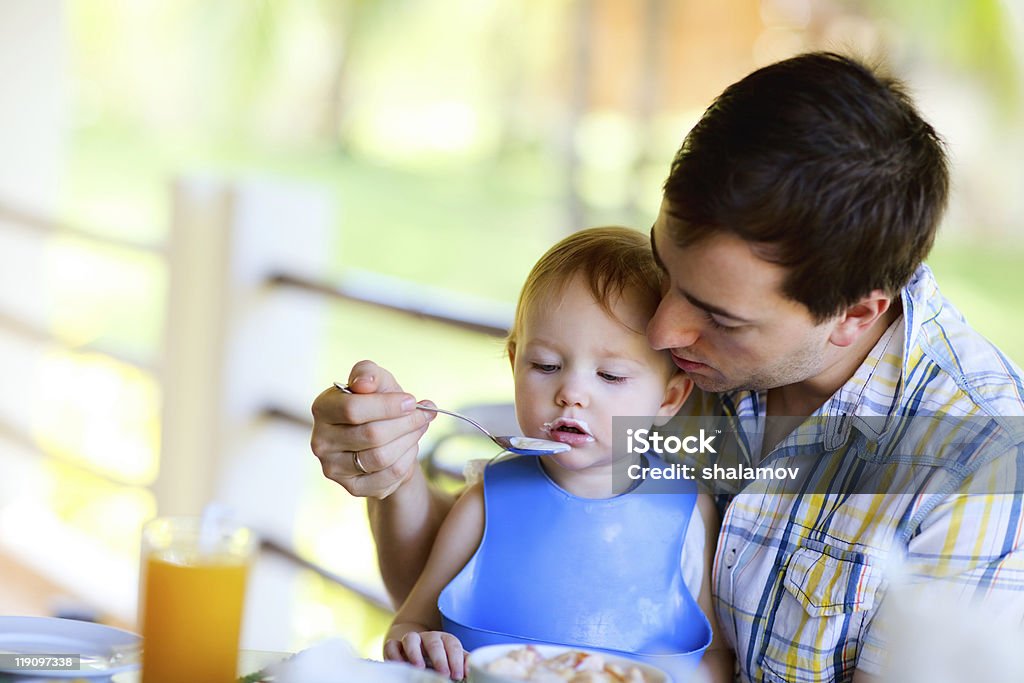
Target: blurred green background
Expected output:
[456,139]
[453,131]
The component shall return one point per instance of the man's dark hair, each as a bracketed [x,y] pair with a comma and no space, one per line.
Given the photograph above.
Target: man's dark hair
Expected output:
[826,168]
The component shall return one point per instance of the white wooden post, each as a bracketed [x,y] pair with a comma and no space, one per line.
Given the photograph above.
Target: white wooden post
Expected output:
[32,58]
[230,347]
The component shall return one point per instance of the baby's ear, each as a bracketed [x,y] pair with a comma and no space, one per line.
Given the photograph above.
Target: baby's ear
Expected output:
[676,392]
[510,348]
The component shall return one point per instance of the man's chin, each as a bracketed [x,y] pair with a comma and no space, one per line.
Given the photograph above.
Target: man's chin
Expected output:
[714,385]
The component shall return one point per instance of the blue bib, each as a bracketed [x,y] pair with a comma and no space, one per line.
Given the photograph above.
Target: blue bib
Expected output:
[594,573]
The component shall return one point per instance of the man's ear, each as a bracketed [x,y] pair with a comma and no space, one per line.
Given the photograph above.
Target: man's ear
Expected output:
[676,393]
[856,319]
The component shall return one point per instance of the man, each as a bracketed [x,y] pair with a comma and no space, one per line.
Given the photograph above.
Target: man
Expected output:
[795,220]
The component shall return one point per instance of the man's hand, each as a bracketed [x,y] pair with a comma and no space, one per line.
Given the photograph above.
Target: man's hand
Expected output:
[439,650]
[368,441]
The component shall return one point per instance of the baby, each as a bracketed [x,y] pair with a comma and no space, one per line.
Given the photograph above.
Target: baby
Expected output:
[556,549]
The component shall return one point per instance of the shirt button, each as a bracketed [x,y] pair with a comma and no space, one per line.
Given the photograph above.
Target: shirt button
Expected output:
[730,558]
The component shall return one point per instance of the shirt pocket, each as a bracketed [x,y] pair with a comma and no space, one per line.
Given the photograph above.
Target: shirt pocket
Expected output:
[828,595]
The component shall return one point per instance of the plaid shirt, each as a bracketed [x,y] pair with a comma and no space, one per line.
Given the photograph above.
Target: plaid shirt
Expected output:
[799,577]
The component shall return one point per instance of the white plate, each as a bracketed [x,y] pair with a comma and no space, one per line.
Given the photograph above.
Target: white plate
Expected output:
[333,660]
[359,671]
[46,635]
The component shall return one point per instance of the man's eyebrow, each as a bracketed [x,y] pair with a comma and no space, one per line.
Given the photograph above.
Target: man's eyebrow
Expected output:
[710,308]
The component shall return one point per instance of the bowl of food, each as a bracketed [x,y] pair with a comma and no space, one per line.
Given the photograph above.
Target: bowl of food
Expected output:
[557,663]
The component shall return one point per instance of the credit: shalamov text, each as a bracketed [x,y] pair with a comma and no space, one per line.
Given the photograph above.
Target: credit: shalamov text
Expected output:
[646,441]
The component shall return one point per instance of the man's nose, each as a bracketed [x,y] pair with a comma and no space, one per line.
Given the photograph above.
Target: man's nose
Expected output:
[675,325]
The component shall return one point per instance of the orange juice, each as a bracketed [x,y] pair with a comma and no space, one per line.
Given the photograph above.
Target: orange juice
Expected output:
[191,612]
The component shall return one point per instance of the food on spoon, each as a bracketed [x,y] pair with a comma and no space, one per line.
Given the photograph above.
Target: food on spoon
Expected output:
[527,664]
[527,444]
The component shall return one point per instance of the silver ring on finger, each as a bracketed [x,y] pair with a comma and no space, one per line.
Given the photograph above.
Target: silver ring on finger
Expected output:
[358,465]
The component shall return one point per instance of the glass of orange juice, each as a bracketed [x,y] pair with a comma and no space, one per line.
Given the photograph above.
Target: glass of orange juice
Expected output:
[191,598]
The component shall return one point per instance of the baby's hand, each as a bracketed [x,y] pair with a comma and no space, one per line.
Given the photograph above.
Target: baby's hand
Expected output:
[439,650]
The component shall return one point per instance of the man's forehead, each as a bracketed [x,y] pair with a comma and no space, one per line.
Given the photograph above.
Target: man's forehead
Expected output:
[657,226]
[669,230]
[673,229]
[719,271]
[654,250]
[663,234]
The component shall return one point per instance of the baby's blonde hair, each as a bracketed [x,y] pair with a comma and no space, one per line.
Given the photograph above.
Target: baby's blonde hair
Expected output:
[611,260]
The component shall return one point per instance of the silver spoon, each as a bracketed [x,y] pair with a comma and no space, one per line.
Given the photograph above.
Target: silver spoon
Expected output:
[520,445]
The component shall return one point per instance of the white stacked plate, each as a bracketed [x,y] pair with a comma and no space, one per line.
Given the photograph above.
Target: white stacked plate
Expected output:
[104,650]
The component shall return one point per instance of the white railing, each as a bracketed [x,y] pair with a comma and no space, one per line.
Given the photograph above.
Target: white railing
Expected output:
[249,287]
